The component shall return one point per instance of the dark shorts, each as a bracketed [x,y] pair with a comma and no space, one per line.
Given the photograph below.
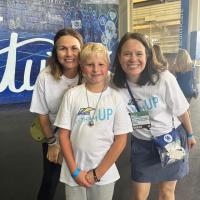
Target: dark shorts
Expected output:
[146,166]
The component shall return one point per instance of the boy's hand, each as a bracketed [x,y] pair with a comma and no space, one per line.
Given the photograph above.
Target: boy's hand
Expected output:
[90,177]
[81,179]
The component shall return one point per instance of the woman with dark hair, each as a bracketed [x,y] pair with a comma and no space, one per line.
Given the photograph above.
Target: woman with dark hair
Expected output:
[62,72]
[156,106]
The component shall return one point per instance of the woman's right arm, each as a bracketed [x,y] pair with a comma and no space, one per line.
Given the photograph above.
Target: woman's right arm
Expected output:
[39,104]
[53,149]
[185,120]
[46,126]
[66,146]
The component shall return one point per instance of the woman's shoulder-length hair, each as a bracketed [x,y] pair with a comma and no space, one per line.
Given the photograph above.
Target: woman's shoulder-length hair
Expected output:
[150,75]
[56,68]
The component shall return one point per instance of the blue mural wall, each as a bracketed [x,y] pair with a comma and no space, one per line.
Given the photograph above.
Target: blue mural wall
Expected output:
[27,29]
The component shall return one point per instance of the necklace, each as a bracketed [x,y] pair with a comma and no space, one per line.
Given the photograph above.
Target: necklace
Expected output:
[91,120]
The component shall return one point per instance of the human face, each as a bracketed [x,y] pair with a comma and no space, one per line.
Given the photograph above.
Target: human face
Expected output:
[95,69]
[133,59]
[67,49]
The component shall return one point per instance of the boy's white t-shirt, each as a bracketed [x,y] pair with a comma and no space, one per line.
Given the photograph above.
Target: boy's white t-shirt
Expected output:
[48,93]
[163,100]
[91,143]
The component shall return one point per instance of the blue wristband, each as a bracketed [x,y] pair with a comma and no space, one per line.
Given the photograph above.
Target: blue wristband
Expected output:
[76,172]
[189,135]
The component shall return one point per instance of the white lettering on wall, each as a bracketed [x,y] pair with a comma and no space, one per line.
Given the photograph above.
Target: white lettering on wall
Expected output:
[8,79]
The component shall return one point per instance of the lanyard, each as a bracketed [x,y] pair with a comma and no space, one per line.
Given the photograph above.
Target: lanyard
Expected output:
[137,107]
[134,101]
[132,97]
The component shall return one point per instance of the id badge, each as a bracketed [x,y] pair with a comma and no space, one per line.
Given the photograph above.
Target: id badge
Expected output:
[140,120]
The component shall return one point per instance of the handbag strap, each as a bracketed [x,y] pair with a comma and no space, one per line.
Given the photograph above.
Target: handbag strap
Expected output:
[173,125]
[55,130]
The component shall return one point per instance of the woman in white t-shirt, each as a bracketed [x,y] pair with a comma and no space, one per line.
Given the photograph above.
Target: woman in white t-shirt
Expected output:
[61,73]
[156,105]
[93,123]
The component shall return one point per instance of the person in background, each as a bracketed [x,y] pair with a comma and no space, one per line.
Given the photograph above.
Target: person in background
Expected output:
[170,59]
[156,102]
[62,72]
[159,56]
[185,73]
[93,124]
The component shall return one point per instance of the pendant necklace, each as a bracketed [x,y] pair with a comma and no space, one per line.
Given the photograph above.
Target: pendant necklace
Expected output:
[91,120]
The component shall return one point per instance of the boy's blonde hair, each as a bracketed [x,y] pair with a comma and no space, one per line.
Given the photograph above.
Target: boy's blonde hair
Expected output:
[94,48]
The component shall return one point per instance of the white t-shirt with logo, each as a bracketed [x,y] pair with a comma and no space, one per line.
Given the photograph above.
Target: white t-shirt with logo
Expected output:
[48,93]
[162,100]
[91,143]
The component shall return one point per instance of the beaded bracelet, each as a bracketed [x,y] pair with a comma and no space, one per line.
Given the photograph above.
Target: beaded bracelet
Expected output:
[189,135]
[95,176]
[76,172]
[51,141]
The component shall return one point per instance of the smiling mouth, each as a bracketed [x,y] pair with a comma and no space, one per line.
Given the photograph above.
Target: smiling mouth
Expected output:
[69,60]
[133,66]
[96,75]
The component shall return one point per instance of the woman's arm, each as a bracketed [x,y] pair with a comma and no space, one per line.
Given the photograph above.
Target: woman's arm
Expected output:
[54,148]
[67,150]
[46,125]
[185,120]
[111,156]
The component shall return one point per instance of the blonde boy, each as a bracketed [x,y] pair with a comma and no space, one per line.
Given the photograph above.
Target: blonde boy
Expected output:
[93,125]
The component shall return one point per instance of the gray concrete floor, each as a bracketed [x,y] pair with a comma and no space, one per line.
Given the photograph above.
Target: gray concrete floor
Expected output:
[20,160]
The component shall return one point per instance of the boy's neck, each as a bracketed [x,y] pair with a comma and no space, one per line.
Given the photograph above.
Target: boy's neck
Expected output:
[96,87]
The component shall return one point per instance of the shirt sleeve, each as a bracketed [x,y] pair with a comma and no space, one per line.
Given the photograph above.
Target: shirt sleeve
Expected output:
[38,103]
[174,96]
[122,121]
[63,118]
